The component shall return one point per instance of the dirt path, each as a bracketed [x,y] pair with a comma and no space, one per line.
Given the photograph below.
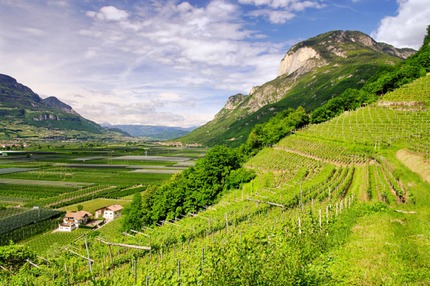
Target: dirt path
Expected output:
[415,163]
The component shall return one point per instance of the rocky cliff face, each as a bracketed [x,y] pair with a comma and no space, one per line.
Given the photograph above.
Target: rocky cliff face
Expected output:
[304,58]
[233,101]
[315,53]
[319,51]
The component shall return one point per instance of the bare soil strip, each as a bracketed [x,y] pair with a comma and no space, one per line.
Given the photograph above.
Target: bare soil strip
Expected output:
[415,163]
[152,158]
[156,171]
[44,183]
[15,170]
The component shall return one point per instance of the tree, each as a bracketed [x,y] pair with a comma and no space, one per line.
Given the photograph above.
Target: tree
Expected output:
[427,37]
[190,190]
[277,127]
[133,214]
[238,177]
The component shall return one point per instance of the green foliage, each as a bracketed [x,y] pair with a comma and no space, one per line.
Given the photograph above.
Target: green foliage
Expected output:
[238,177]
[277,127]
[191,190]
[427,37]
[15,255]
[133,214]
[412,69]
[350,99]
[295,223]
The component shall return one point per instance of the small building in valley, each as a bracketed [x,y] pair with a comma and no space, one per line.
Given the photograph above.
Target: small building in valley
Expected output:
[72,220]
[110,212]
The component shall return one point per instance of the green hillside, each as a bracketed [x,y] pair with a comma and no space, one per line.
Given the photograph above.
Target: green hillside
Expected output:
[25,115]
[332,204]
[355,59]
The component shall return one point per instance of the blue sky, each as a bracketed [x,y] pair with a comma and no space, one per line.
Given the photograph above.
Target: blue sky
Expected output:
[176,62]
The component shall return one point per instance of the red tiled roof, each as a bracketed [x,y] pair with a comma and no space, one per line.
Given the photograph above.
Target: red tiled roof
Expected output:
[78,215]
[115,208]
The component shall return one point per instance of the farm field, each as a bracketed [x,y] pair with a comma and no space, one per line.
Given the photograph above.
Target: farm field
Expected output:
[331,204]
[64,178]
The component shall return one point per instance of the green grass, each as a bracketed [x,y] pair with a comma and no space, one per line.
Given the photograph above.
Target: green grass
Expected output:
[95,204]
[385,248]
[52,242]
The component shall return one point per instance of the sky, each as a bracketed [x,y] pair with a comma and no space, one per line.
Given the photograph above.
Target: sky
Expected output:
[172,62]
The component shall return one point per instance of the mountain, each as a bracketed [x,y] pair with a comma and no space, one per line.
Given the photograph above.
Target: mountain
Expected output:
[26,115]
[311,73]
[153,132]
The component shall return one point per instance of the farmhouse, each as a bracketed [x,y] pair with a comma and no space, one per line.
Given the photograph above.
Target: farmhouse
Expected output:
[72,220]
[110,212]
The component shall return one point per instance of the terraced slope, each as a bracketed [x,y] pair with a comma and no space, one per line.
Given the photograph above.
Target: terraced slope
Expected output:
[401,117]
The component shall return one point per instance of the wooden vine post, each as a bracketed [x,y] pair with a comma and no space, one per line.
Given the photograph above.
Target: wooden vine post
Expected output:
[135,269]
[125,245]
[88,255]
[179,270]
[203,257]
[326,214]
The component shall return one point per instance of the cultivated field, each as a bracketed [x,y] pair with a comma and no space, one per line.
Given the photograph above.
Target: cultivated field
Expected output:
[91,177]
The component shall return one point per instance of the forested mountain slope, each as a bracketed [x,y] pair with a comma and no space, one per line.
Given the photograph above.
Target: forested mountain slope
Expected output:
[25,115]
[311,73]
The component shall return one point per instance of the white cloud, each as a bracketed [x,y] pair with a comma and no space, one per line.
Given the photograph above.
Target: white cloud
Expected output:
[292,5]
[280,11]
[274,16]
[168,63]
[408,27]
[109,13]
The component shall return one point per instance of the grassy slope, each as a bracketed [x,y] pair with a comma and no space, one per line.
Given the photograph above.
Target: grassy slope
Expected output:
[387,247]
[390,244]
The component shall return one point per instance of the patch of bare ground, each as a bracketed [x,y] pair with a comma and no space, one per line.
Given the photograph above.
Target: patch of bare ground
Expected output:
[415,163]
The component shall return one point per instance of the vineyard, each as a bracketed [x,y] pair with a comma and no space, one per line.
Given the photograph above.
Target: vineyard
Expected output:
[330,205]
[61,178]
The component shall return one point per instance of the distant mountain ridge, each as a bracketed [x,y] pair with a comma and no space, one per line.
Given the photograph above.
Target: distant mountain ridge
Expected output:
[56,103]
[311,72]
[152,131]
[26,115]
